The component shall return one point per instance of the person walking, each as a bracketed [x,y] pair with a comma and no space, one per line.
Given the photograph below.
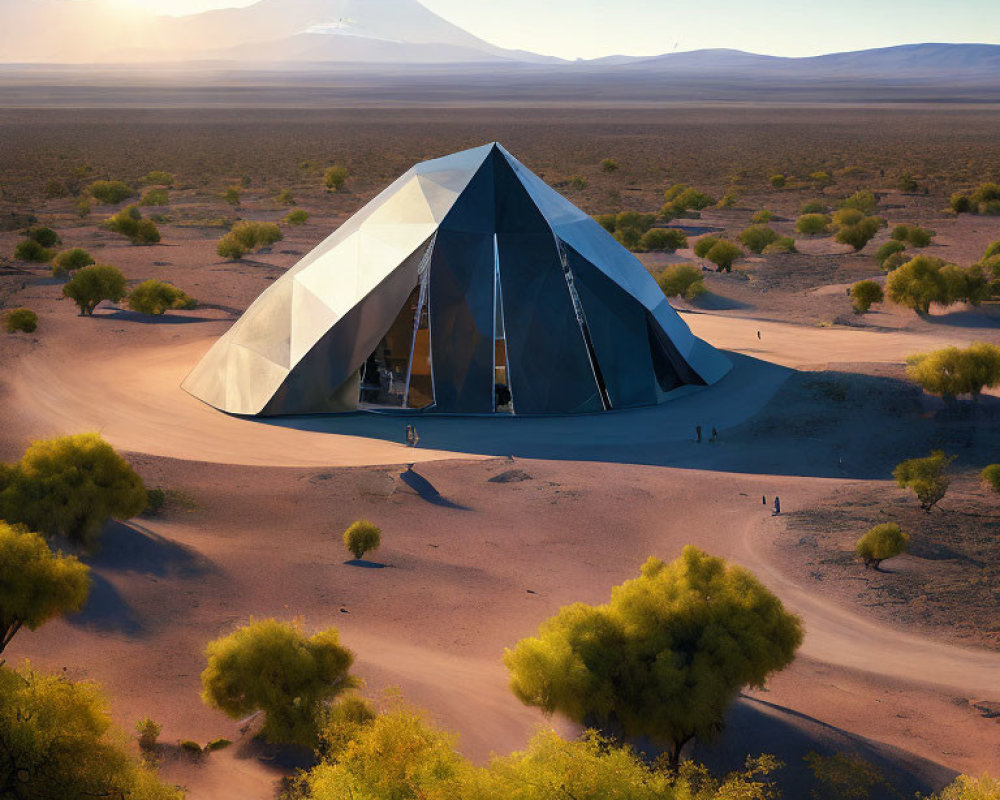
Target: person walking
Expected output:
[697,430]
[777,506]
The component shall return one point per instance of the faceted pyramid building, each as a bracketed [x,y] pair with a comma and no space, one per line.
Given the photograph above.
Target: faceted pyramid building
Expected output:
[468,286]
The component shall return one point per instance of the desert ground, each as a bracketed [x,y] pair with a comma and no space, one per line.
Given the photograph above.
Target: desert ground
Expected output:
[491,525]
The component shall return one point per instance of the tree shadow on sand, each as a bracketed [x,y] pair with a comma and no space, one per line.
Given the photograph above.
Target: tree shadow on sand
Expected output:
[130,547]
[365,564]
[121,315]
[107,611]
[754,726]
[426,490]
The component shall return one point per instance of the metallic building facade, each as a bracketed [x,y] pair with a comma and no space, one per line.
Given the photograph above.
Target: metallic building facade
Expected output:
[467,286]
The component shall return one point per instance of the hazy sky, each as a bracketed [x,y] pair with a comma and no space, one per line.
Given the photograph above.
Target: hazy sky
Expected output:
[590,28]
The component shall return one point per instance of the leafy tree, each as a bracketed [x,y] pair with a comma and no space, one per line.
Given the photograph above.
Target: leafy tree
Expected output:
[894,261]
[952,372]
[149,731]
[362,537]
[157,178]
[69,260]
[864,294]
[22,320]
[925,476]
[880,543]
[778,181]
[812,224]
[111,193]
[682,280]
[762,217]
[991,477]
[786,244]
[57,741]
[663,239]
[297,216]
[918,283]
[94,284]
[31,251]
[129,222]
[723,254]
[70,486]
[342,722]
[46,237]
[155,197]
[335,178]
[36,585]
[704,244]
[664,658]
[859,234]
[272,667]
[156,298]
[757,237]
[889,248]
[863,201]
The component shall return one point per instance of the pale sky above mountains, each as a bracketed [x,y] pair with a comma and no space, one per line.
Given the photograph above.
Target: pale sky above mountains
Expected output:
[594,28]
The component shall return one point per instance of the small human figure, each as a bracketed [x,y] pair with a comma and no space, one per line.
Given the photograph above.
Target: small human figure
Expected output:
[777,506]
[412,437]
[763,499]
[715,436]
[697,430]
[758,336]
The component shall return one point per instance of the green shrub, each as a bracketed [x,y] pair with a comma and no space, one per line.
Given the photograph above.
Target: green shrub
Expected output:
[814,207]
[285,198]
[663,239]
[778,181]
[156,298]
[924,280]
[985,194]
[60,742]
[82,207]
[821,178]
[248,236]
[609,165]
[992,249]
[952,372]
[864,293]
[191,747]
[70,486]
[297,216]
[704,244]
[46,237]
[863,201]
[578,182]
[925,476]
[960,203]
[129,223]
[69,260]
[880,543]
[31,251]
[723,254]
[786,244]
[682,280]
[907,183]
[847,216]
[22,320]
[157,178]
[858,235]
[894,261]
[966,787]
[991,209]
[762,217]
[335,178]
[273,667]
[156,499]
[362,537]
[111,193]
[728,200]
[56,189]
[93,284]
[991,477]
[217,744]
[888,249]
[232,195]
[757,237]
[812,224]
[149,732]
[919,237]
[682,198]
[607,221]
[155,197]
